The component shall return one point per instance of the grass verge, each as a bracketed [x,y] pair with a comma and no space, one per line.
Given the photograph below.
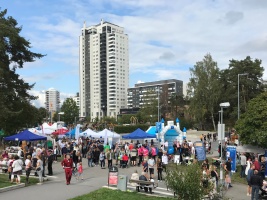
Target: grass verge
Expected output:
[5,182]
[109,194]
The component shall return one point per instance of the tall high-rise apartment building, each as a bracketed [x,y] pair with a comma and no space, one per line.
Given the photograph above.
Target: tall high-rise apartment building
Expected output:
[52,100]
[104,70]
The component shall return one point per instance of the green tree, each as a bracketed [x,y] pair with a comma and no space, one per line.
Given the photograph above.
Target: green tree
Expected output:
[252,125]
[14,52]
[249,86]
[71,111]
[204,89]
[177,103]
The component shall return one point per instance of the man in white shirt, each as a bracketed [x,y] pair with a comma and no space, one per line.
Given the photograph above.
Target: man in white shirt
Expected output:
[243,162]
[164,160]
[151,165]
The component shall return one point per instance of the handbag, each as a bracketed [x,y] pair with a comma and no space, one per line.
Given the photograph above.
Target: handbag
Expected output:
[38,169]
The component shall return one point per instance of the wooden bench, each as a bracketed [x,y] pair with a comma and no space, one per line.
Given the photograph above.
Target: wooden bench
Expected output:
[144,184]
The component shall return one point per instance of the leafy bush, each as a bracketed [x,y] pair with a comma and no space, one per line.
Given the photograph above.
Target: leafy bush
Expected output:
[187,182]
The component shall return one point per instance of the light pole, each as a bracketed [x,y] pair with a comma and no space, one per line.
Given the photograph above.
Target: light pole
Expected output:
[238,107]
[158,106]
[222,105]
[60,113]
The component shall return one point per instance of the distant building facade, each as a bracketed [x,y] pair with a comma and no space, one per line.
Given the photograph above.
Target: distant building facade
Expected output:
[52,100]
[143,92]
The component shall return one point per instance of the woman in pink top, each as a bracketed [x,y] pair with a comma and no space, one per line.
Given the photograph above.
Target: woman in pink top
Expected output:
[153,153]
[140,155]
[145,153]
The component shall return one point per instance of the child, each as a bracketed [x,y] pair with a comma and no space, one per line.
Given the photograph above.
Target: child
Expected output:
[80,171]
[227,180]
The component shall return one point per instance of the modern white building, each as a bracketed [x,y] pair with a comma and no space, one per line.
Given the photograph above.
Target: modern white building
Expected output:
[52,100]
[104,70]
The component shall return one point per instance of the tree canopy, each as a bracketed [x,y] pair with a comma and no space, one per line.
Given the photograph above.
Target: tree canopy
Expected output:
[252,125]
[204,89]
[14,91]
[71,111]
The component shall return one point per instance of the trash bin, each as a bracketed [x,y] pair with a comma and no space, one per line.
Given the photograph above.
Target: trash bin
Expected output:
[122,182]
[113,176]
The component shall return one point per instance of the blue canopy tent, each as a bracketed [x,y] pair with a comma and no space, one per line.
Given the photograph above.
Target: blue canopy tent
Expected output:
[139,134]
[25,135]
[71,133]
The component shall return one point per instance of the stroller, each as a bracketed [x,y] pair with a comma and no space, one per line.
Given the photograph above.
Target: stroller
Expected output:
[263,189]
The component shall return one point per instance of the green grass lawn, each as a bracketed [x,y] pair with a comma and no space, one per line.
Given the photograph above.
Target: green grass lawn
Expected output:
[109,194]
[4,181]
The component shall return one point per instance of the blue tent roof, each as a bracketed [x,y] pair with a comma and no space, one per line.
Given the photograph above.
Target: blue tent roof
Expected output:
[25,135]
[139,134]
[72,132]
[152,130]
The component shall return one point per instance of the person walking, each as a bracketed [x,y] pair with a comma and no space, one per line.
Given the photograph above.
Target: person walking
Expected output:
[256,182]
[67,165]
[102,160]
[17,169]
[151,165]
[80,171]
[50,160]
[249,175]
[159,169]
[228,169]
[40,168]
[243,161]
[109,158]
[28,168]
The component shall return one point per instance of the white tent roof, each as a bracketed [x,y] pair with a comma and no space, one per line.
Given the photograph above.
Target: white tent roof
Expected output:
[39,132]
[47,126]
[108,133]
[88,133]
[249,148]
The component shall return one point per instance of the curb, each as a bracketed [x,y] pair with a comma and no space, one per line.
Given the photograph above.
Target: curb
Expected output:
[13,187]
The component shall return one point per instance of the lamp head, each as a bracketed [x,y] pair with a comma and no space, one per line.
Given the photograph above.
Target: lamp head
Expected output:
[225,105]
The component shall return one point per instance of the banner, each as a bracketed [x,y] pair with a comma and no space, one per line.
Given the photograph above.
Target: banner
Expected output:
[231,152]
[265,162]
[200,150]
[158,127]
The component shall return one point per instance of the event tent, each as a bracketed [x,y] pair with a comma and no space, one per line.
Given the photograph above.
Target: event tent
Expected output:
[39,132]
[108,133]
[249,148]
[61,131]
[25,135]
[139,134]
[47,126]
[88,133]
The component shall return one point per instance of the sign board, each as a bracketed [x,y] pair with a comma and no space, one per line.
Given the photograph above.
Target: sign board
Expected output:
[200,150]
[231,152]
[221,131]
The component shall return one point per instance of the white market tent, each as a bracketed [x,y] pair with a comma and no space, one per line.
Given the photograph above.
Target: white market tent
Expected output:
[249,148]
[52,127]
[108,133]
[88,133]
[39,132]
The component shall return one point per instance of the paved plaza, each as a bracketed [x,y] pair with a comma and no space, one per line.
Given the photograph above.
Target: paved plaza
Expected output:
[94,178]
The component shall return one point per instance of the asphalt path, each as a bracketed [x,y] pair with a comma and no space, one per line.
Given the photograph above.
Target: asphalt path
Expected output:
[94,178]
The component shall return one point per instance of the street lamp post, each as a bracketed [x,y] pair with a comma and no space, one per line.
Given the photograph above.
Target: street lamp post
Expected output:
[60,113]
[158,106]
[238,107]
[222,105]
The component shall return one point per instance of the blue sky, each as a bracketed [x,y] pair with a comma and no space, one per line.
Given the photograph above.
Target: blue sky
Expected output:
[166,38]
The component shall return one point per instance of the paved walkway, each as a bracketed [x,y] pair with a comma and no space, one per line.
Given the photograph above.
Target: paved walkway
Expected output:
[94,178]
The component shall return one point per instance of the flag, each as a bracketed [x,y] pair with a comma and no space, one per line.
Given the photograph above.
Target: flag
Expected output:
[77,132]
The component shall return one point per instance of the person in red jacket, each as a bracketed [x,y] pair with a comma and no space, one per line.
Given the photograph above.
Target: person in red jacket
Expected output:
[67,165]
[257,164]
